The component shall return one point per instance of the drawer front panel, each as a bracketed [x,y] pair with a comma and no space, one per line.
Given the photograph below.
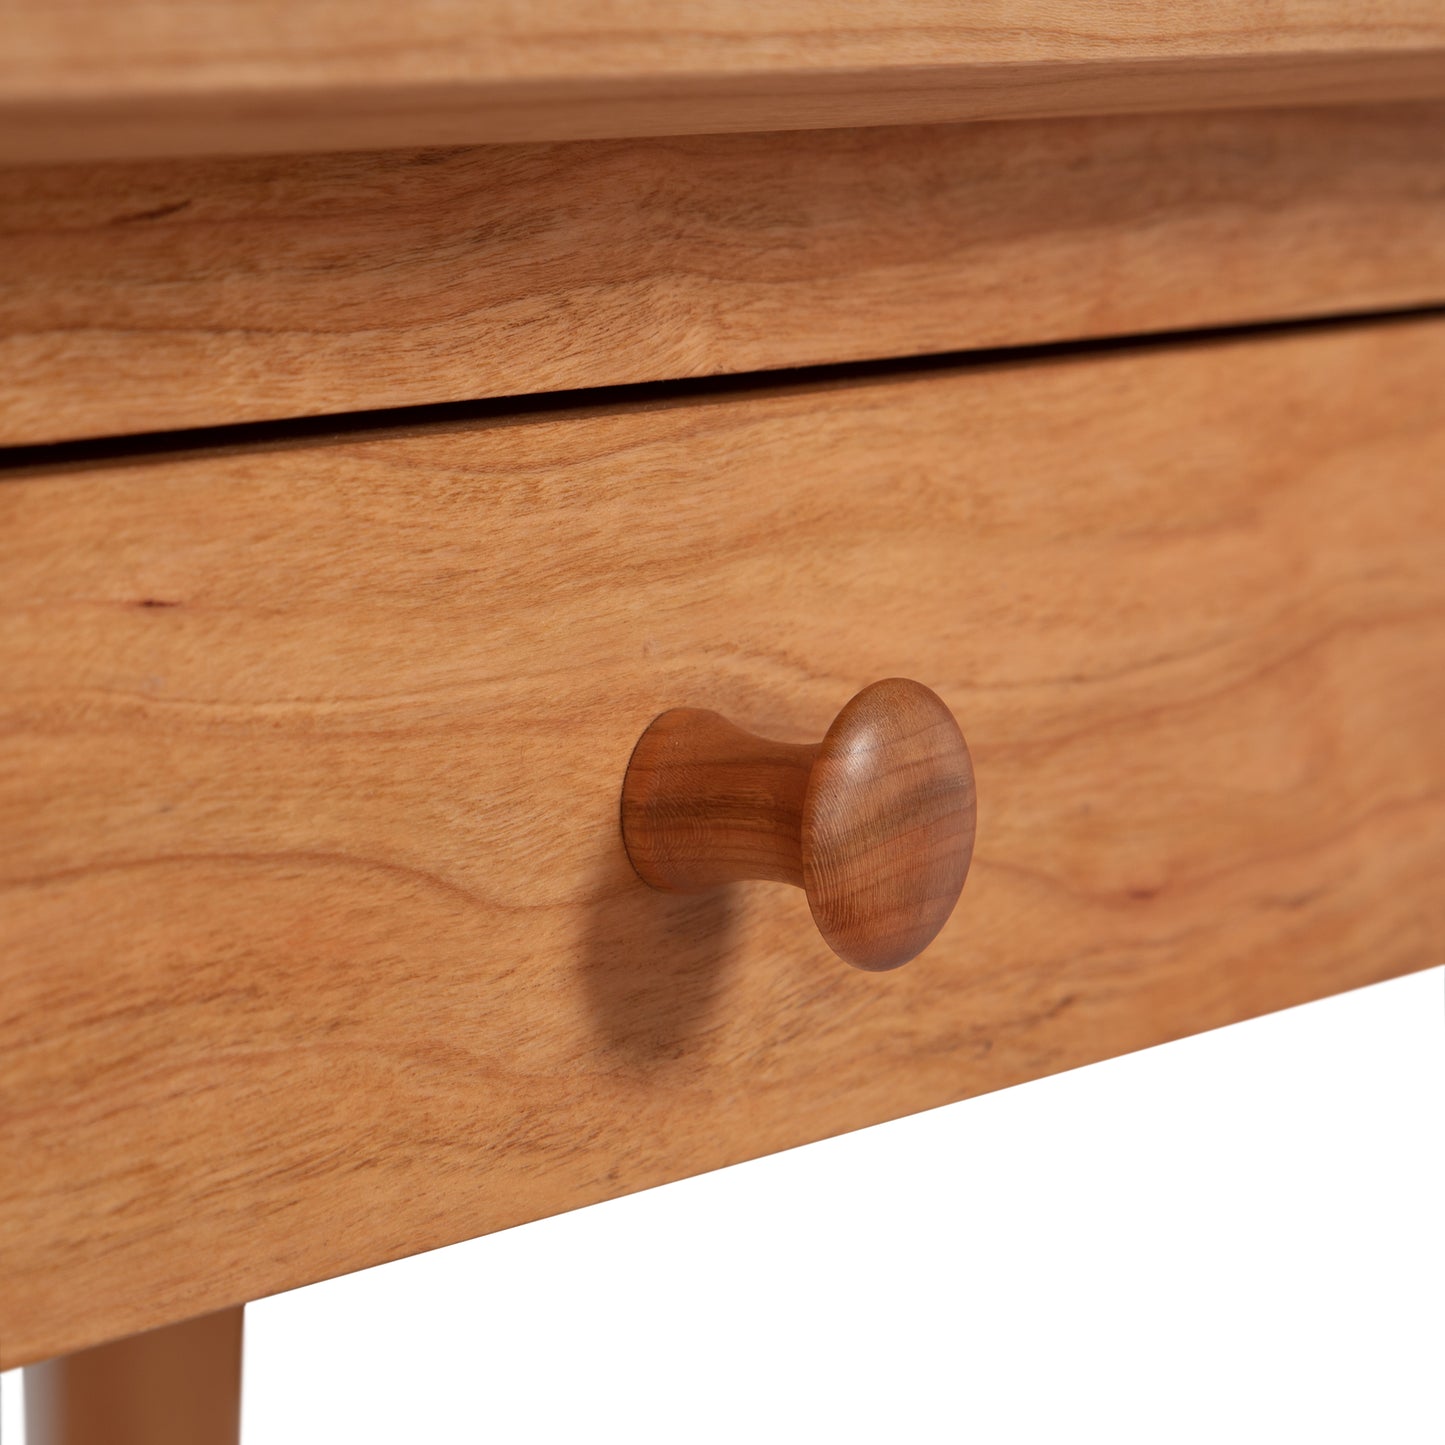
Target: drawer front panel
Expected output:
[318,944]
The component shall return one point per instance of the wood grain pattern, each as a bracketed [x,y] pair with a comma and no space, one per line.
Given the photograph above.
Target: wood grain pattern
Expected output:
[318,944]
[706,803]
[148,297]
[875,823]
[91,79]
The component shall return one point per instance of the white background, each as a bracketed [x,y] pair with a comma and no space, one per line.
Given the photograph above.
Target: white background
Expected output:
[1233,1238]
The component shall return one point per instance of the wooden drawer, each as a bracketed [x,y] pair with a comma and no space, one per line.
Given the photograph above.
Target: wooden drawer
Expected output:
[318,944]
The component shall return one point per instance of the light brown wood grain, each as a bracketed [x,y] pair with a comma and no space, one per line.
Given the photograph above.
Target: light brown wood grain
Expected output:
[92,79]
[148,297]
[318,942]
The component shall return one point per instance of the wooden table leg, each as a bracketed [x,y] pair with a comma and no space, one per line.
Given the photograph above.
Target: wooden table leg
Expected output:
[180,1385]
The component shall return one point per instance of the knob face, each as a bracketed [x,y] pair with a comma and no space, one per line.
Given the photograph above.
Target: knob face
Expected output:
[875,823]
[888,825]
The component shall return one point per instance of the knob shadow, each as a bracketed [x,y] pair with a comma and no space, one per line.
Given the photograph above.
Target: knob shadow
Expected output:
[653,964]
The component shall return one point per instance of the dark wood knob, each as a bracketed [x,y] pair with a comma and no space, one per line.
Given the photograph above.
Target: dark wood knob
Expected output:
[875,823]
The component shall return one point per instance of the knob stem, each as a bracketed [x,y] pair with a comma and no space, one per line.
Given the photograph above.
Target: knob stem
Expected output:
[706,803]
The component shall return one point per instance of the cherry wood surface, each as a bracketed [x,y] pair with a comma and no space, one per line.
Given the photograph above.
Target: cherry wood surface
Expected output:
[318,941]
[177,1385]
[152,296]
[876,823]
[88,79]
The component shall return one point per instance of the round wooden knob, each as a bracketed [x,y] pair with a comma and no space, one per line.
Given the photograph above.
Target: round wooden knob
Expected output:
[875,823]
